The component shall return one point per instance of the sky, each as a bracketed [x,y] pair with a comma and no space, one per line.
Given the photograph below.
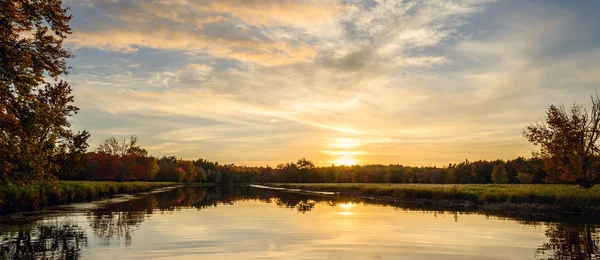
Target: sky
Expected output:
[338,82]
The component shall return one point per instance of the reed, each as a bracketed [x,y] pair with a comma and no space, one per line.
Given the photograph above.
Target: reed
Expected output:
[568,196]
[41,194]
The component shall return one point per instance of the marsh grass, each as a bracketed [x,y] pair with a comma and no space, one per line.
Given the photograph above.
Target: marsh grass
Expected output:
[568,196]
[37,195]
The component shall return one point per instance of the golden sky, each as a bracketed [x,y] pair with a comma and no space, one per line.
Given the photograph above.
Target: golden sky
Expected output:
[344,82]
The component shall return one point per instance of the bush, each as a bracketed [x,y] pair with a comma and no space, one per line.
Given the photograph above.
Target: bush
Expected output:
[37,195]
[524,178]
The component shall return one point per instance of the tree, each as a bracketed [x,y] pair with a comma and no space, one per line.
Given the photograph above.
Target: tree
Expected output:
[499,174]
[102,167]
[330,174]
[361,174]
[177,175]
[524,178]
[304,164]
[121,147]
[189,168]
[568,143]
[71,156]
[166,165]
[201,174]
[150,165]
[481,171]
[34,102]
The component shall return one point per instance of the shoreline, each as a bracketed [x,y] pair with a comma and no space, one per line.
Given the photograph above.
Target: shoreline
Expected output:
[503,208]
[39,196]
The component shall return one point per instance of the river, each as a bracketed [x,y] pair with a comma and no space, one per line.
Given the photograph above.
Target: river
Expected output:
[254,223]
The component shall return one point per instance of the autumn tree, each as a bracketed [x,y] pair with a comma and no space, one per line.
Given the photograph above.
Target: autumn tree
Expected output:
[178,174]
[150,164]
[568,141]
[165,167]
[190,170]
[34,102]
[499,174]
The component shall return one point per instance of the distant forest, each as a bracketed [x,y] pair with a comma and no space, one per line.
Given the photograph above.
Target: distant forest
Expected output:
[124,160]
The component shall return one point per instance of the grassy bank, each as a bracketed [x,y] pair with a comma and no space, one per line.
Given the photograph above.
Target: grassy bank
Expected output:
[564,196]
[41,194]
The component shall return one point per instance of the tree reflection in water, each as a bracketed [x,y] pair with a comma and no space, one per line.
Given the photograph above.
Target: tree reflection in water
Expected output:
[116,223]
[60,241]
[570,242]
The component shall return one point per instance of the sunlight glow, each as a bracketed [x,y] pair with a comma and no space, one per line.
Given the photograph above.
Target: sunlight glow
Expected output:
[343,143]
[345,160]
[347,205]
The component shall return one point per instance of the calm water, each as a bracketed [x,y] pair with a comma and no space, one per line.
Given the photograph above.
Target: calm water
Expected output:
[251,223]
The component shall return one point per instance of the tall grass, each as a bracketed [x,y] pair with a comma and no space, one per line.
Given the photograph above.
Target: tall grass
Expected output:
[568,196]
[41,194]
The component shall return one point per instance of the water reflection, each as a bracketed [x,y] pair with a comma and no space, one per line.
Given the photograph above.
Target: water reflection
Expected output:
[43,241]
[201,198]
[115,225]
[571,241]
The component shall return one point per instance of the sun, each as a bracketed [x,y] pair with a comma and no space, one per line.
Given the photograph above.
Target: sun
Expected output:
[345,160]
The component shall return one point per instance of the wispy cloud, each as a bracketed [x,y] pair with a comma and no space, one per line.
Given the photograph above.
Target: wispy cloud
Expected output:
[414,82]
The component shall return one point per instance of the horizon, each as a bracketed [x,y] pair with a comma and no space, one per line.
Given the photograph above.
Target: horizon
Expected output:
[336,82]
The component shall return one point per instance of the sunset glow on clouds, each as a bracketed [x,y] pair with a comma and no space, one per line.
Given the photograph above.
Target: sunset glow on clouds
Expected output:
[266,82]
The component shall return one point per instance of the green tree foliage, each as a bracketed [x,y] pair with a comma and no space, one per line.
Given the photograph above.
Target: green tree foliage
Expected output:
[34,103]
[72,157]
[330,174]
[361,174]
[524,178]
[481,171]
[499,174]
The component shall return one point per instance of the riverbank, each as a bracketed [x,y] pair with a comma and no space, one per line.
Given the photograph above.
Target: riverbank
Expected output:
[533,197]
[35,196]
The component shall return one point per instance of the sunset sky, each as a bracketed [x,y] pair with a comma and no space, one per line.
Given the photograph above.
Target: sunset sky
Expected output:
[344,82]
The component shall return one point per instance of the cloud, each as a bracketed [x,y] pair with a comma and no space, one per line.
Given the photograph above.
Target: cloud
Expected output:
[414,82]
[201,67]
[223,29]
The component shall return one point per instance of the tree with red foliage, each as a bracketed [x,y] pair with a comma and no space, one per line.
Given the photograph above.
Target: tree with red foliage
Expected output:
[103,167]
[178,175]
[569,143]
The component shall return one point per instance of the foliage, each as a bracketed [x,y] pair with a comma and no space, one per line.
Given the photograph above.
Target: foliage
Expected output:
[569,196]
[36,195]
[524,178]
[33,109]
[499,175]
[568,143]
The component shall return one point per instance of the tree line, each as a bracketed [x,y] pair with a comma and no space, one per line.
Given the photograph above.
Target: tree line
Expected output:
[125,160]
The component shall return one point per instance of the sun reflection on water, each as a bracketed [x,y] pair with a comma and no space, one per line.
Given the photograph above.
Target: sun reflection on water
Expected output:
[347,206]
